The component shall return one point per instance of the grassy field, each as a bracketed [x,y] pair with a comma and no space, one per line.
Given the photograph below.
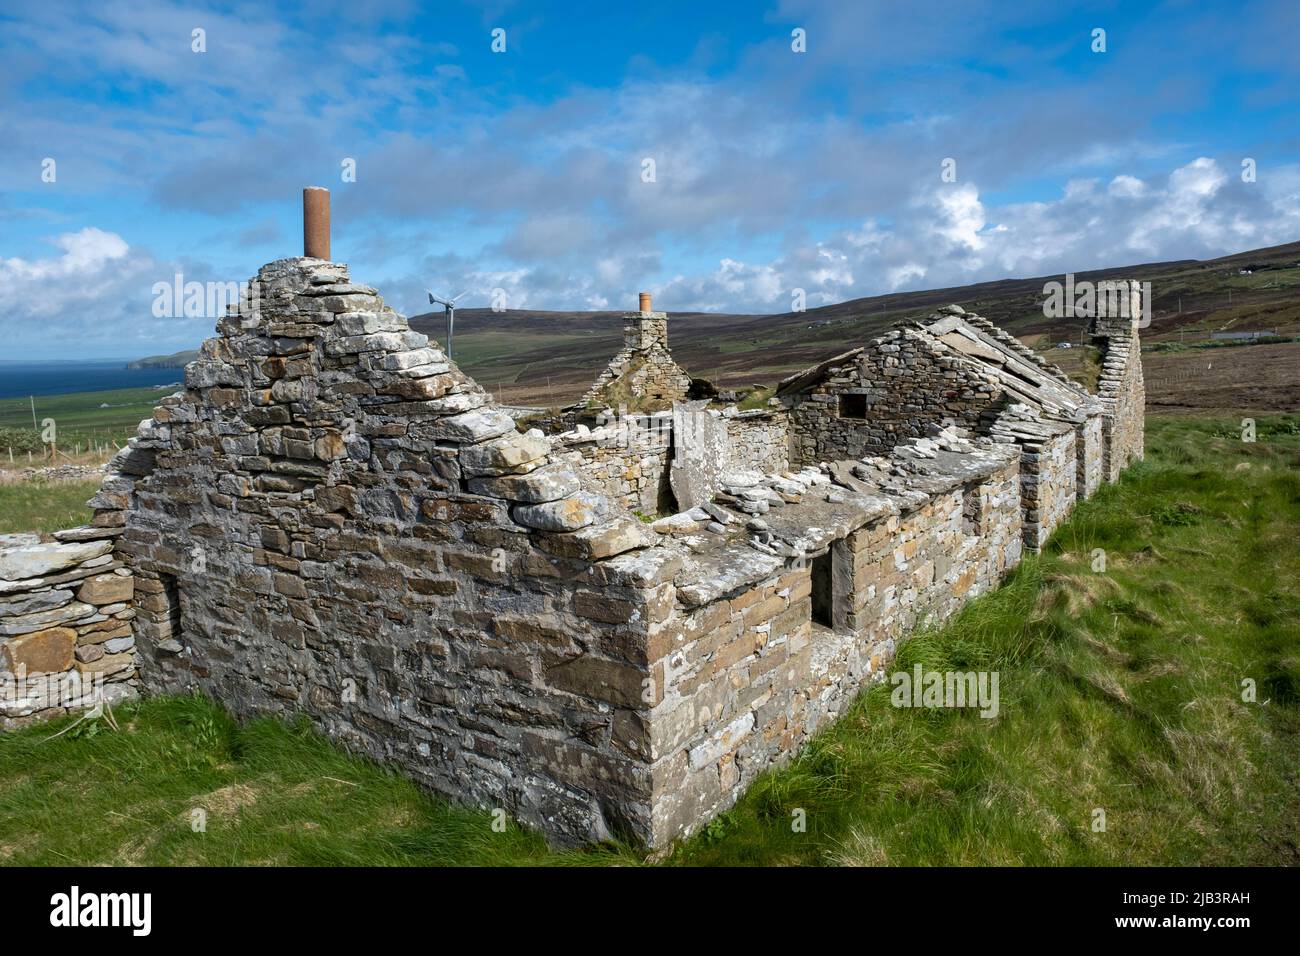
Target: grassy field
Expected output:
[1120,691]
[80,417]
[44,506]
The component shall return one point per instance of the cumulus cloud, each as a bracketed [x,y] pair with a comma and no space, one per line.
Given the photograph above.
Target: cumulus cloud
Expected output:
[958,216]
[948,237]
[85,253]
[1127,187]
[764,183]
[93,296]
[1197,211]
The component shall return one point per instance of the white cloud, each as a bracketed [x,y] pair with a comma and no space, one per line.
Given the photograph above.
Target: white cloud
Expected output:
[903,275]
[951,237]
[1199,212]
[84,253]
[544,199]
[94,296]
[1127,187]
[960,215]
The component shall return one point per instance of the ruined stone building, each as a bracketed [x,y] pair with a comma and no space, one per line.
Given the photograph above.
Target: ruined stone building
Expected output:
[607,630]
[642,377]
[959,369]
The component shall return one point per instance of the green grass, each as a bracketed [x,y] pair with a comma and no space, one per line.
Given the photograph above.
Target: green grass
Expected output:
[79,416]
[44,505]
[270,793]
[755,399]
[1119,691]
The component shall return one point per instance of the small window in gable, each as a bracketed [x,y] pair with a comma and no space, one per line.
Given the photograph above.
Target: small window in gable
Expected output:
[853,406]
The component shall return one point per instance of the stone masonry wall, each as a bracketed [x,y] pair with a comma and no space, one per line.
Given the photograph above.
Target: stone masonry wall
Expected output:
[1123,396]
[760,440]
[1049,486]
[66,616]
[625,458]
[1049,470]
[749,676]
[1091,440]
[338,523]
[910,384]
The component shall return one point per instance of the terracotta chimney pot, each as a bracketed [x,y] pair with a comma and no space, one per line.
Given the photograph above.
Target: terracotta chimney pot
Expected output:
[316,222]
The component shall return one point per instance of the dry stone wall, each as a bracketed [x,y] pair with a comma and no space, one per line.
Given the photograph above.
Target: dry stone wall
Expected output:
[1123,395]
[339,523]
[972,374]
[760,440]
[625,458]
[67,640]
[749,674]
[1091,442]
[1049,470]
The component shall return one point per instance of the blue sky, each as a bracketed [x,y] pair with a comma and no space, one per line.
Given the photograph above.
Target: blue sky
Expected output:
[522,170]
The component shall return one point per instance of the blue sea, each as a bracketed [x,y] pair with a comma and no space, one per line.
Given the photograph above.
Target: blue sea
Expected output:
[19,379]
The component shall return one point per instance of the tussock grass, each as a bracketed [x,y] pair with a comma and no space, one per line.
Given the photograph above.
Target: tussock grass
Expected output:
[1119,691]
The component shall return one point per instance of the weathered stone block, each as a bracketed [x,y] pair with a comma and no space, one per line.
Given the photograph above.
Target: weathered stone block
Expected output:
[600,607]
[599,679]
[106,589]
[567,514]
[472,426]
[36,560]
[596,542]
[108,665]
[510,453]
[44,652]
[34,601]
[39,620]
[548,483]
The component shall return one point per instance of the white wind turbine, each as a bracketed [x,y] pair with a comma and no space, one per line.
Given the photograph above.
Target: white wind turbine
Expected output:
[449,306]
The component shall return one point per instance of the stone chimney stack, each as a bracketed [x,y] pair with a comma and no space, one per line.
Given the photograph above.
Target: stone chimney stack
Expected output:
[645,329]
[316,222]
[1133,302]
[648,378]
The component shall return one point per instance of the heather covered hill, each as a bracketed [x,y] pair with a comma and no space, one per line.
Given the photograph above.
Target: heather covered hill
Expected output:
[541,357]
